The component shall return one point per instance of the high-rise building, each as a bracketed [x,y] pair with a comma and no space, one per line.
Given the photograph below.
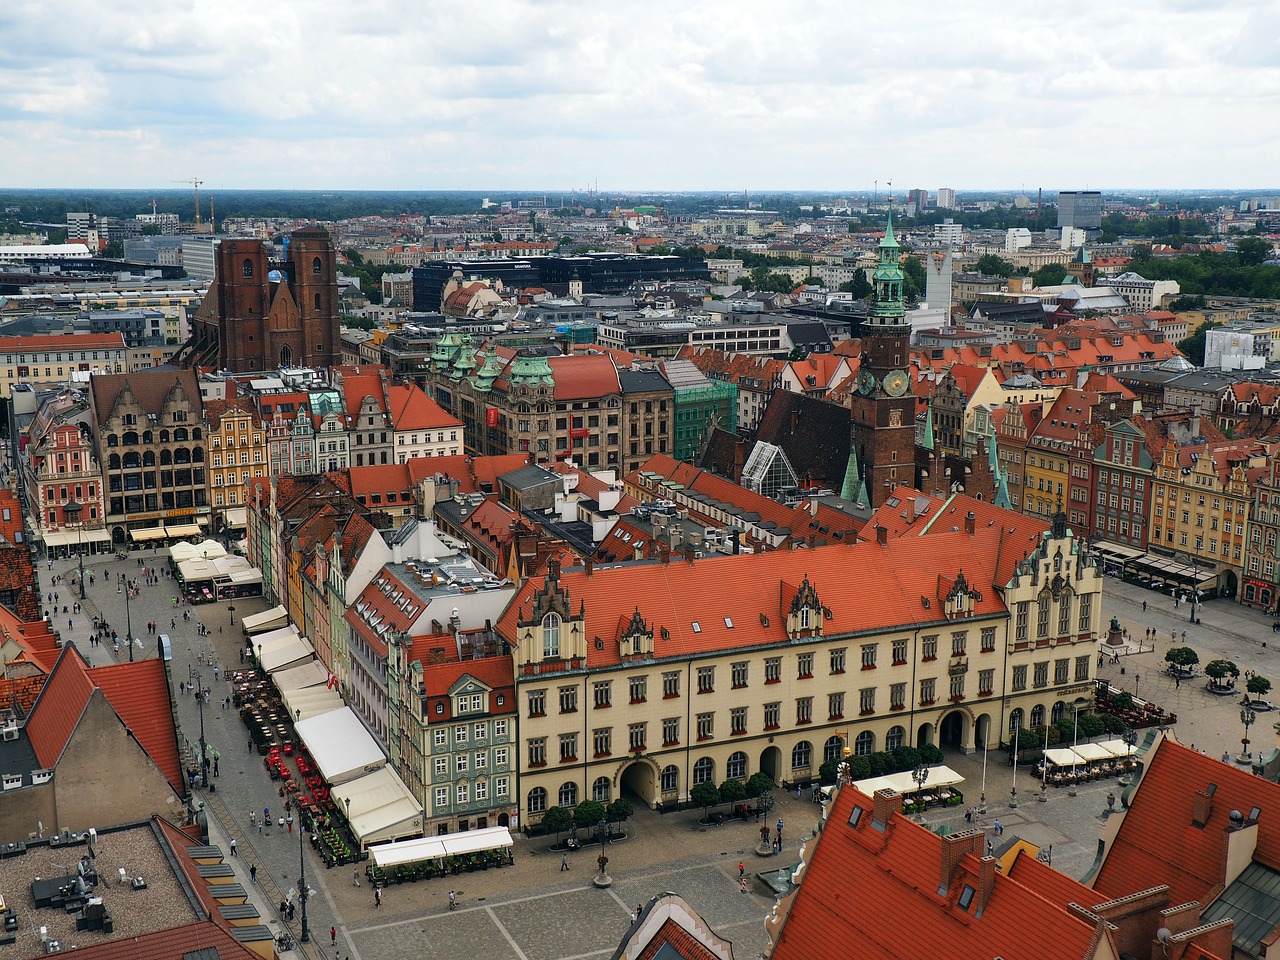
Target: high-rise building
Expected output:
[1081,209]
[83,227]
[917,201]
[946,198]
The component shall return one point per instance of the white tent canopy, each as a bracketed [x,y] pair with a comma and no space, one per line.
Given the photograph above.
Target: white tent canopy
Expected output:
[1117,748]
[279,635]
[381,807]
[272,619]
[283,654]
[299,678]
[208,549]
[340,745]
[304,703]
[432,848]
[1062,757]
[939,776]
[232,569]
[1091,752]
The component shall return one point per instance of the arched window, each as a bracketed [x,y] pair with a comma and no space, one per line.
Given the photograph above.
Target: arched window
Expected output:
[1015,721]
[801,755]
[196,433]
[181,455]
[197,454]
[131,460]
[130,438]
[551,635]
[148,458]
[164,436]
[166,458]
[833,749]
[246,268]
[600,790]
[315,265]
[1037,716]
[180,435]
[568,794]
[704,771]
[1064,614]
[286,356]
[113,440]
[893,739]
[147,437]
[537,800]
[736,768]
[316,301]
[1056,714]
[864,744]
[670,779]
[113,462]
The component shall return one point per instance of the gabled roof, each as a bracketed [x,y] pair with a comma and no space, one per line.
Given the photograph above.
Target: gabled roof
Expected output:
[584,376]
[470,472]
[139,694]
[59,707]
[176,943]
[151,387]
[411,409]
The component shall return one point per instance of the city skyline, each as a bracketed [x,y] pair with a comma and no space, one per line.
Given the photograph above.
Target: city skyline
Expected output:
[567,95]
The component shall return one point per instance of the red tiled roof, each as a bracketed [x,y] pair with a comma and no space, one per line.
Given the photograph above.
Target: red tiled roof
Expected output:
[470,472]
[66,341]
[382,478]
[172,944]
[59,707]
[493,672]
[411,409]
[1158,842]
[584,376]
[139,693]
[686,946]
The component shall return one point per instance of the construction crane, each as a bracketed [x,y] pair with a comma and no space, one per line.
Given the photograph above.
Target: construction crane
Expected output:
[195,183]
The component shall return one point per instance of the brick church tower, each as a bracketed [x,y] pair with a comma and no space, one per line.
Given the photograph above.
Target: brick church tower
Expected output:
[267,315]
[883,407]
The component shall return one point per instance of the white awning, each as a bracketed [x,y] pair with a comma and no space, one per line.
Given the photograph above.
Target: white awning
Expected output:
[236,517]
[1117,747]
[939,776]
[272,619]
[264,640]
[311,674]
[185,530]
[285,654]
[304,703]
[1091,752]
[69,538]
[341,746]
[148,533]
[1061,757]
[381,807]
[433,848]
[205,549]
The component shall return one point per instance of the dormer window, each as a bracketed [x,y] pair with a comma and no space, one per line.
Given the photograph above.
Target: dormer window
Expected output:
[551,635]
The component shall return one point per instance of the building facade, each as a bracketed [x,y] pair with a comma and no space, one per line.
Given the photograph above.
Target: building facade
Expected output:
[237,453]
[54,358]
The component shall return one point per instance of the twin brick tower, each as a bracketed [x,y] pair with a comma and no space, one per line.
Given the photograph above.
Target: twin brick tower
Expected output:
[260,315]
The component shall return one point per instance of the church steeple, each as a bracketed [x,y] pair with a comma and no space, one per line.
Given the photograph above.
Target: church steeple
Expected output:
[888,309]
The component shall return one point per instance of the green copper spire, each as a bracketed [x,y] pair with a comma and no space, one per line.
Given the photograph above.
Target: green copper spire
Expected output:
[1001,499]
[887,308]
[926,441]
[852,488]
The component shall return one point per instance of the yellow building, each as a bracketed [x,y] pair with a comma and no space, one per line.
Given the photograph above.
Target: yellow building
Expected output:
[53,358]
[237,453]
[1200,499]
[655,677]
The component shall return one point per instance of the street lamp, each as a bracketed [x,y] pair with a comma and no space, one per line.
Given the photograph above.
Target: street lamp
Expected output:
[1247,717]
[128,617]
[1075,738]
[302,885]
[72,511]
[920,775]
[194,674]
[1017,730]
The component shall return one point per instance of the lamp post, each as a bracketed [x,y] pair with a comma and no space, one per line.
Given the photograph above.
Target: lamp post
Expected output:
[1247,717]
[305,936]
[920,775]
[232,610]
[128,620]
[72,511]
[1013,793]
[1195,588]
[194,674]
[1075,738]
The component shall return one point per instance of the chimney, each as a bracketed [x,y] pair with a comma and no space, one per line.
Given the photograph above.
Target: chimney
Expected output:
[882,535]
[884,804]
[664,553]
[813,540]
[969,522]
[954,847]
[1202,806]
[590,566]
[986,883]
[688,554]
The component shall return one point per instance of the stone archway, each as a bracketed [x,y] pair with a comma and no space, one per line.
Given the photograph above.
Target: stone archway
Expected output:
[953,731]
[641,778]
[924,735]
[771,763]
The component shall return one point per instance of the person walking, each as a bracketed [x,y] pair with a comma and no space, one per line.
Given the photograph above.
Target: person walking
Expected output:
[377,896]
[355,877]
[742,869]
[253,874]
[333,936]
[233,846]
[564,862]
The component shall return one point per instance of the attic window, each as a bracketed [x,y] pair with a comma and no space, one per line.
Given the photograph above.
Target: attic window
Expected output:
[697,627]
[855,816]
[728,622]
[966,897]
[439,709]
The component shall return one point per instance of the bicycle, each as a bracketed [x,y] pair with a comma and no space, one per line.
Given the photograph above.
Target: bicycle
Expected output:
[285,941]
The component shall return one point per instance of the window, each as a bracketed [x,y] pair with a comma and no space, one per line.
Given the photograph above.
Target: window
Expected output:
[772,716]
[1020,677]
[801,755]
[740,674]
[637,687]
[833,749]
[1062,671]
[482,791]
[462,762]
[704,771]
[706,726]
[1086,614]
[537,800]
[929,648]
[867,700]
[1020,629]
[928,690]
[671,685]
[568,747]
[988,639]
[706,679]
[1042,615]
[442,766]
[865,744]
[499,726]
[459,734]
[464,794]
[958,641]
[670,731]
[551,636]
[1015,721]
[804,710]
[500,756]
[986,682]
[738,721]
[568,699]
[869,656]
[442,798]
[835,706]
[894,738]
[601,742]
[736,767]
[837,660]
[441,735]
[602,693]
[957,686]
[773,670]
[1082,667]
[804,666]
[568,795]
[600,790]
[637,735]
[538,752]
[670,779]
[897,696]
[1064,614]
[1041,674]
[899,651]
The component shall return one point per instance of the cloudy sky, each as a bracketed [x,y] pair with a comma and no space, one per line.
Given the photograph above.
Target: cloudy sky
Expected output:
[665,94]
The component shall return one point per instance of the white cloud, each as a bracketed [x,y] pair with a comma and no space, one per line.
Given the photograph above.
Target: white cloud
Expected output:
[666,94]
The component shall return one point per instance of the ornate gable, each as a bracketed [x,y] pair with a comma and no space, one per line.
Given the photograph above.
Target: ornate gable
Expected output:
[635,637]
[806,615]
[551,630]
[958,598]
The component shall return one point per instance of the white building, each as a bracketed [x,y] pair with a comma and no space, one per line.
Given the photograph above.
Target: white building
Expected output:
[1143,294]
[44,251]
[948,233]
[946,198]
[1016,238]
[199,257]
[1240,346]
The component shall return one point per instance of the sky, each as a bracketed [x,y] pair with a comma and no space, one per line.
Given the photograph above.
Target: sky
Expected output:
[563,95]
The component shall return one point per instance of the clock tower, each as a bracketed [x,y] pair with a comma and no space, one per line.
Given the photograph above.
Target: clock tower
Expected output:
[883,406]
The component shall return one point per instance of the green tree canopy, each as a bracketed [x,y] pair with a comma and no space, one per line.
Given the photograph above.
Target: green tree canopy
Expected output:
[994,266]
[1049,275]
[859,286]
[1192,347]
[1182,657]
[704,795]
[759,783]
[732,791]
[556,820]
[1258,685]
[588,813]
[1252,251]
[1221,669]
[619,810]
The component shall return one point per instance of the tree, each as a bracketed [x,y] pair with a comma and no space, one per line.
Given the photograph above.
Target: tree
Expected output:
[906,758]
[859,286]
[619,811]
[827,772]
[149,230]
[930,754]
[1049,275]
[732,791]
[704,795]
[1252,251]
[1122,700]
[1221,669]
[992,265]
[557,820]
[1091,726]
[759,784]
[1192,347]
[114,250]
[1182,657]
[1258,685]
[588,813]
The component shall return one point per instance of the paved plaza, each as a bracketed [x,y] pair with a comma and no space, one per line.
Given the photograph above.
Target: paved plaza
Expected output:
[534,911]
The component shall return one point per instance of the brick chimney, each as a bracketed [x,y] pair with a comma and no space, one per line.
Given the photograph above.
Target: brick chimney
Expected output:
[986,883]
[954,847]
[590,566]
[970,522]
[884,804]
[1202,806]
[882,535]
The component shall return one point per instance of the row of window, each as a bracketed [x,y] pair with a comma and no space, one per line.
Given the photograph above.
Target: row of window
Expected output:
[473,792]
[464,733]
[466,762]
[1044,606]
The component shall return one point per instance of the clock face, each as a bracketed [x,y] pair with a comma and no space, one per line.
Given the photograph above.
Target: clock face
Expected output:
[866,382]
[896,383]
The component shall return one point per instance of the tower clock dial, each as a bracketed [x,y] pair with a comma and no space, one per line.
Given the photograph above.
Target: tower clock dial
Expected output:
[866,382]
[896,383]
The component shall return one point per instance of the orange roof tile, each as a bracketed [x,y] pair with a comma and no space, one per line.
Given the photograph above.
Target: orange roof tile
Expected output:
[411,409]
[66,341]
[139,694]
[584,376]
[59,707]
